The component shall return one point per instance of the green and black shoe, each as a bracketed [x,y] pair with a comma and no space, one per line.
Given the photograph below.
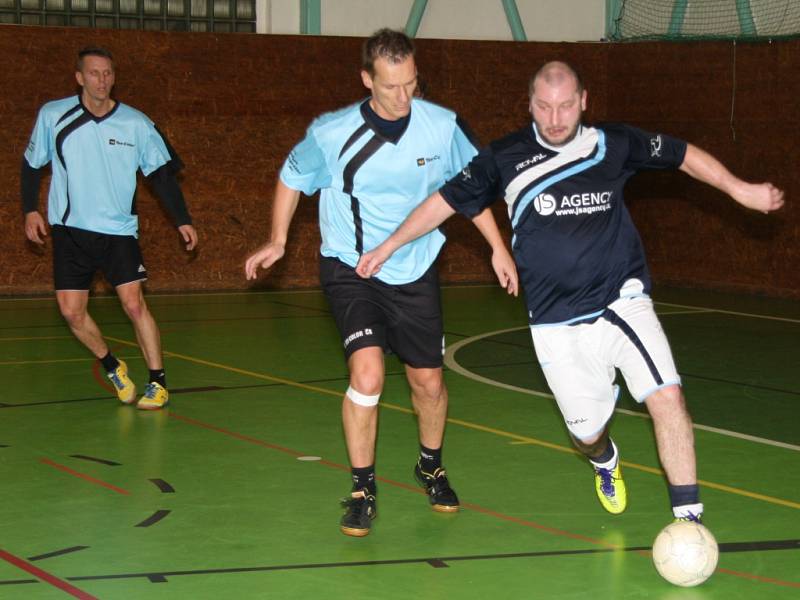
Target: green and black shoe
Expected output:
[441,496]
[360,510]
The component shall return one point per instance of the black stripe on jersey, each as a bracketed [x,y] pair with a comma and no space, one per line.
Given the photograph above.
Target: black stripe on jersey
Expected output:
[613,318]
[470,135]
[370,148]
[175,163]
[352,139]
[69,112]
[62,135]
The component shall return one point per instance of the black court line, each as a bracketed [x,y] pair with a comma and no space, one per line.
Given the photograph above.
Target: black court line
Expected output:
[165,487]
[154,518]
[534,363]
[739,383]
[107,324]
[434,562]
[103,461]
[57,553]
[189,390]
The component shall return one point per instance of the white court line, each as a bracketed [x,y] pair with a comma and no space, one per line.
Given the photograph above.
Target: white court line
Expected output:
[450,362]
[730,312]
[448,287]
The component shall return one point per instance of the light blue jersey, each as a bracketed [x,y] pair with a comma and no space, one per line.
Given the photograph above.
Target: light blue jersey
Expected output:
[94,163]
[370,184]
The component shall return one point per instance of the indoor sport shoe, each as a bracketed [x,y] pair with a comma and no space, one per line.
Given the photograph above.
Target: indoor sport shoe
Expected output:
[126,390]
[441,496]
[155,396]
[611,489]
[360,510]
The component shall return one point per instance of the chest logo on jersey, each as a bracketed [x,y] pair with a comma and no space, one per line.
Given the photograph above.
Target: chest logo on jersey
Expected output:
[113,142]
[421,162]
[530,161]
[575,204]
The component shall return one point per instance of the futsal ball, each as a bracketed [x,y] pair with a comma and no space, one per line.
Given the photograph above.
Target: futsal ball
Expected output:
[685,553]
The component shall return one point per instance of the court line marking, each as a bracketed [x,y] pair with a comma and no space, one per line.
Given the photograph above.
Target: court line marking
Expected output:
[62,585]
[448,287]
[603,544]
[453,365]
[467,424]
[85,477]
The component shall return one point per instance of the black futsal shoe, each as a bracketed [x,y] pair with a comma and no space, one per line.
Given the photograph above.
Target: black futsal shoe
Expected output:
[359,511]
[441,496]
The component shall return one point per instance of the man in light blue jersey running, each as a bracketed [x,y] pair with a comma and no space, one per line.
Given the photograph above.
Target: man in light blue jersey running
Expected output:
[96,145]
[375,161]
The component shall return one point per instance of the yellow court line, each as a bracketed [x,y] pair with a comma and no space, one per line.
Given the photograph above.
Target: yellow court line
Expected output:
[47,361]
[36,338]
[469,425]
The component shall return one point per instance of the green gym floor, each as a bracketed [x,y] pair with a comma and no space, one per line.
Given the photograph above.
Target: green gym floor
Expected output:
[232,491]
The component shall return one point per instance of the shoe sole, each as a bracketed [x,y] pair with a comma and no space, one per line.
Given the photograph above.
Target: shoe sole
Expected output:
[445,508]
[140,407]
[352,532]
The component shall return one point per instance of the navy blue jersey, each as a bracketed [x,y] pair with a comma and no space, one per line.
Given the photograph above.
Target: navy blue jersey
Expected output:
[575,244]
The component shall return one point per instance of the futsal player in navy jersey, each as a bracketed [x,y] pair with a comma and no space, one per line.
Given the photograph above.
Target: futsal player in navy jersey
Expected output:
[374,161]
[95,145]
[583,269]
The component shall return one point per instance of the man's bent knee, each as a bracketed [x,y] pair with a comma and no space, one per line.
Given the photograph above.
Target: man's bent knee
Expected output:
[367,400]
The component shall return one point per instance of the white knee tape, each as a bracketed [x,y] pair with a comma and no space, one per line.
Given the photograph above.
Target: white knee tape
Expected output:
[362,399]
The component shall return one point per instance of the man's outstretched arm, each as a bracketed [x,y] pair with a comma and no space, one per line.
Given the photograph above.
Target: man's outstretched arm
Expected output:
[284,205]
[502,261]
[763,197]
[426,217]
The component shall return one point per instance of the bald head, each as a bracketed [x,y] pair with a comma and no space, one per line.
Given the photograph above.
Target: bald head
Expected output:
[555,74]
[557,101]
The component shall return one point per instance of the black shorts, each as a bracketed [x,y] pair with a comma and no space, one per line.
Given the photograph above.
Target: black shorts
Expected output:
[78,254]
[406,319]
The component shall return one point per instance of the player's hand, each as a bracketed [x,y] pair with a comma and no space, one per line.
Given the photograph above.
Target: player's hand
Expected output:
[264,257]
[370,263]
[506,271]
[763,197]
[35,229]
[189,236]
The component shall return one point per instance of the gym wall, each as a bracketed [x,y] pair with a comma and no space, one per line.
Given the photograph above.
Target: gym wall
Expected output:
[233,105]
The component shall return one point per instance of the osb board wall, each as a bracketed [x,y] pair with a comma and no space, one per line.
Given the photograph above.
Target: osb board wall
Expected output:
[233,105]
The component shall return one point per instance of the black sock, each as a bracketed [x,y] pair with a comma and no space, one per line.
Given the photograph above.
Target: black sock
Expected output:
[606,456]
[364,477]
[158,376]
[109,362]
[681,495]
[429,460]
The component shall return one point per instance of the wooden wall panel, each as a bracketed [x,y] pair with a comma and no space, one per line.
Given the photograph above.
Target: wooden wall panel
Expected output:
[233,106]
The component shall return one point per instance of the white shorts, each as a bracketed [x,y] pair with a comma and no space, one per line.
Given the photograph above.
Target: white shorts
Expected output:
[580,362]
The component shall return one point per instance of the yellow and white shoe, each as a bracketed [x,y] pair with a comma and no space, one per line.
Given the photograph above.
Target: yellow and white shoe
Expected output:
[126,390]
[611,489]
[155,396]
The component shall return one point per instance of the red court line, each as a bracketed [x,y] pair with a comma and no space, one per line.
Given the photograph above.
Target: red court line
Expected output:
[88,478]
[793,584]
[473,507]
[45,576]
[101,378]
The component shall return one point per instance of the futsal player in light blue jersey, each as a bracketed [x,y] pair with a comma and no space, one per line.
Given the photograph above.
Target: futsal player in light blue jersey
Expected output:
[374,162]
[95,146]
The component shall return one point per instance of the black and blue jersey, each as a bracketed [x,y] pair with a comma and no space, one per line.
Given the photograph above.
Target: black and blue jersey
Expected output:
[574,242]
